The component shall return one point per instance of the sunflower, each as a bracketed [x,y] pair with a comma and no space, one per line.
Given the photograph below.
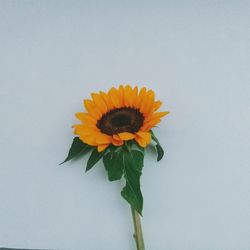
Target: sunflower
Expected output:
[120,115]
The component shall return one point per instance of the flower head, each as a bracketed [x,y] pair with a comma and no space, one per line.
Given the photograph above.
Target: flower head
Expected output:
[120,115]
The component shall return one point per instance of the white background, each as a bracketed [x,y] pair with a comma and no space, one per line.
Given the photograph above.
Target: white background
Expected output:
[194,54]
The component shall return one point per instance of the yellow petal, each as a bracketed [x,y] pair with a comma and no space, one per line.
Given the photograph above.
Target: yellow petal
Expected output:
[125,136]
[77,128]
[115,98]
[101,138]
[82,129]
[143,138]
[83,139]
[151,102]
[85,118]
[155,116]
[101,105]
[157,105]
[127,96]
[154,108]
[134,96]
[92,109]
[102,147]
[140,97]
[121,94]
[79,116]
[147,126]
[145,135]
[90,127]
[106,98]
[141,142]
[89,139]
[147,102]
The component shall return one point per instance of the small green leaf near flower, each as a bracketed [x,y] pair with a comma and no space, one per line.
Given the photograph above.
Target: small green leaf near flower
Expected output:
[94,158]
[113,162]
[77,148]
[160,152]
[159,149]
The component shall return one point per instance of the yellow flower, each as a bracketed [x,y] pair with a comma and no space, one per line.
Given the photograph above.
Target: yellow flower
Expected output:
[122,114]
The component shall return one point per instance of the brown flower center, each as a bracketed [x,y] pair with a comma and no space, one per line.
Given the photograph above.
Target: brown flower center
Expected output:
[121,120]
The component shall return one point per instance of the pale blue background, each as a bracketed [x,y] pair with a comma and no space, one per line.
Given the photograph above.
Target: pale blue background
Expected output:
[194,54]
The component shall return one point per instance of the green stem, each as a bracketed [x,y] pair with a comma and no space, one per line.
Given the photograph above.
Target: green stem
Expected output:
[138,230]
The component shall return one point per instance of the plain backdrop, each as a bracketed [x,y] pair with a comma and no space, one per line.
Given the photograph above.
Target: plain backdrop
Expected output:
[194,54]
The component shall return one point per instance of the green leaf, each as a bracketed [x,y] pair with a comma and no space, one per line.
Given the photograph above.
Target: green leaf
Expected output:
[136,146]
[160,152]
[77,148]
[133,163]
[113,162]
[113,148]
[94,158]
[159,149]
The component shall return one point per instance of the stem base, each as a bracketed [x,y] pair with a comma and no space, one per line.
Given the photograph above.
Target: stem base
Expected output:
[138,236]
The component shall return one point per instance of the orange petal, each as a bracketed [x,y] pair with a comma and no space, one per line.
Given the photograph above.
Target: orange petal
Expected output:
[85,118]
[150,104]
[147,126]
[134,96]
[78,128]
[117,143]
[121,94]
[147,102]
[106,98]
[127,96]
[101,138]
[141,142]
[157,105]
[90,127]
[92,109]
[81,129]
[155,116]
[79,116]
[89,139]
[102,147]
[125,136]
[143,138]
[101,105]
[116,140]
[115,98]
[116,137]
[145,135]
[140,97]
